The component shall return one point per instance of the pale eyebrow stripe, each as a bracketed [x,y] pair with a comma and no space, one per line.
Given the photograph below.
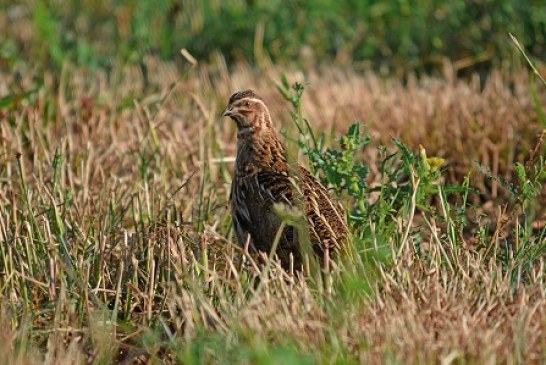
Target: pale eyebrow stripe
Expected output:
[254,100]
[240,101]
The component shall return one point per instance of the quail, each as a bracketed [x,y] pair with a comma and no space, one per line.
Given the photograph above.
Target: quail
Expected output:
[262,178]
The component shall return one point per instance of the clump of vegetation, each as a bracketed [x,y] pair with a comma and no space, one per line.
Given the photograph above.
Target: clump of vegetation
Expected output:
[399,36]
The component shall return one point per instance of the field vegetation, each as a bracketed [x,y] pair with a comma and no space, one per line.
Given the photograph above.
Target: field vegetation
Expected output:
[115,165]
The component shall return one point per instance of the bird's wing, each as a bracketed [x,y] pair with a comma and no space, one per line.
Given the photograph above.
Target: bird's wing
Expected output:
[274,186]
[325,216]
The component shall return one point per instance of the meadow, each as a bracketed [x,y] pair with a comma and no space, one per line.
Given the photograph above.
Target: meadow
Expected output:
[116,234]
[427,123]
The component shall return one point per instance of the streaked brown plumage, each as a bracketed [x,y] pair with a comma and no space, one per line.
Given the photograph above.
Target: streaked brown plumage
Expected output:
[262,177]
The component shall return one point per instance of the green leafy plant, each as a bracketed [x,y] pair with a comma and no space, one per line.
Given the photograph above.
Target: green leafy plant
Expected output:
[339,168]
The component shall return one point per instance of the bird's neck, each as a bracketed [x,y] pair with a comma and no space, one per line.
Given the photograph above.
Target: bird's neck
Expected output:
[259,148]
[259,130]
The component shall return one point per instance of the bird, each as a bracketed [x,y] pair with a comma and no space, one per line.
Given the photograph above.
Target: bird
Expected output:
[263,178]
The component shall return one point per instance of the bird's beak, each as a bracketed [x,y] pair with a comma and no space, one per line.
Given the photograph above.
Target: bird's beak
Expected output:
[227,113]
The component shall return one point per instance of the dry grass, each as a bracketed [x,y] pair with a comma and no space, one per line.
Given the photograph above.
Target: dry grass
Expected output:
[120,247]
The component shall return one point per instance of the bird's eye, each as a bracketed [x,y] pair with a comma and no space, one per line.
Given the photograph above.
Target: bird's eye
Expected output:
[247,104]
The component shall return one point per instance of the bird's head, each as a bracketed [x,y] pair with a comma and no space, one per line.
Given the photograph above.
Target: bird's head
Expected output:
[248,111]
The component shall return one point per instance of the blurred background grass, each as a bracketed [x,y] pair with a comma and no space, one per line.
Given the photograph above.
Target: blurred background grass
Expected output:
[395,36]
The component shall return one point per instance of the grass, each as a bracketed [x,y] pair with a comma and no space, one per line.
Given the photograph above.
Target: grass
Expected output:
[115,231]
